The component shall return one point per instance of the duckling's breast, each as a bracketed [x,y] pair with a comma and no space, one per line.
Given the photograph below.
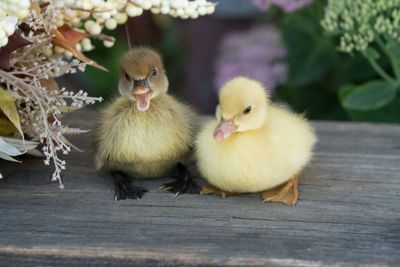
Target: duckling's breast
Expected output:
[148,143]
[248,162]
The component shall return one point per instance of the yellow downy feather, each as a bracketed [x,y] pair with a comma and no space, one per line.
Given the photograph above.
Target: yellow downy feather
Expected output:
[144,144]
[258,159]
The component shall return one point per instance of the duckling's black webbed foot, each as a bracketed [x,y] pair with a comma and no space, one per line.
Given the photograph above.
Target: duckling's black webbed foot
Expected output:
[183,183]
[124,188]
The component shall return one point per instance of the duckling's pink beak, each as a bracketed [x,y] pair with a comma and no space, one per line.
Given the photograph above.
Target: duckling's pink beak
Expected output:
[142,93]
[224,129]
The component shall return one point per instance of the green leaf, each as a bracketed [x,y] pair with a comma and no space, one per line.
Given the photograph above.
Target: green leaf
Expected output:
[67,142]
[368,96]
[372,53]
[105,84]
[5,98]
[9,149]
[10,110]
[308,65]
[394,51]
[309,52]
[66,109]
[7,157]
[6,127]
[20,144]
[389,113]
[353,69]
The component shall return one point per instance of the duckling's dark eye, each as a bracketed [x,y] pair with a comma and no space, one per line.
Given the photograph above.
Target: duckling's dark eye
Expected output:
[154,72]
[247,110]
[127,77]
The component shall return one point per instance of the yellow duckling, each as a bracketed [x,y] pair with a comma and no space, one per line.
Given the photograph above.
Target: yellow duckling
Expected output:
[255,147]
[144,133]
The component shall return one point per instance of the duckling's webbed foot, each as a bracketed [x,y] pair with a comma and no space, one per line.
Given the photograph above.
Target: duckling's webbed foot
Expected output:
[124,188]
[286,193]
[183,183]
[210,189]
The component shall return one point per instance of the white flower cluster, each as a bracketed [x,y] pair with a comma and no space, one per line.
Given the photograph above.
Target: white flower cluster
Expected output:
[10,9]
[95,15]
[360,22]
[183,9]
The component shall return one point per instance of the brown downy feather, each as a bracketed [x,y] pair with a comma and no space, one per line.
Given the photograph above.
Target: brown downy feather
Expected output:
[146,144]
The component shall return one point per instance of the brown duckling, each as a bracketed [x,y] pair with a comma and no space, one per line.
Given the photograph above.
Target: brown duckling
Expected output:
[145,132]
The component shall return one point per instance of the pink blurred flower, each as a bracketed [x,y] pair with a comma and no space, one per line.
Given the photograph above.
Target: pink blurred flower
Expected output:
[258,54]
[287,5]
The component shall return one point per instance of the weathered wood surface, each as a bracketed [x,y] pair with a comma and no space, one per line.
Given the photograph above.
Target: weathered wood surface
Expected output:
[348,212]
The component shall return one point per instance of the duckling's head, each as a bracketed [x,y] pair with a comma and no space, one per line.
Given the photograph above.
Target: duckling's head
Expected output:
[142,76]
[242,107]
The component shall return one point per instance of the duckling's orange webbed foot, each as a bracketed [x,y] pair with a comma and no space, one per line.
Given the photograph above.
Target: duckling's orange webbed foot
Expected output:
[286,193]
[210,189]
[183,183]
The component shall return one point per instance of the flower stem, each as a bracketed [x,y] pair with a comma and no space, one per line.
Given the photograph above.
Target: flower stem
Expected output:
[381,71]
[395,66]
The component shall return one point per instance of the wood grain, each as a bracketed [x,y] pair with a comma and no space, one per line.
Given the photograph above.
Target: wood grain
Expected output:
[348,212]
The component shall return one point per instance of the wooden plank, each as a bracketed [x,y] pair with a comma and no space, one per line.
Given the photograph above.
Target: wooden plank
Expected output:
[347,212]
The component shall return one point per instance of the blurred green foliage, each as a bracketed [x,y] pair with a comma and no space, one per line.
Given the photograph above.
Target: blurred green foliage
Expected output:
[105,84]
[322,81]
[329,84]
[174,53]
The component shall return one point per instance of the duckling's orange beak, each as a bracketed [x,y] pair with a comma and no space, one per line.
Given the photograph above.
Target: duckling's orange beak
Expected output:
[224,129]
[142,93]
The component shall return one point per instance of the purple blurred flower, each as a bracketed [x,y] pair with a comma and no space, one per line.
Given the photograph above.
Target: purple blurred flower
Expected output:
[258,54]
[287,5]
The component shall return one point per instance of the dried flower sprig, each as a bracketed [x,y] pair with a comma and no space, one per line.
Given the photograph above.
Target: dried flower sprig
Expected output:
[46,42]
[36,95]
